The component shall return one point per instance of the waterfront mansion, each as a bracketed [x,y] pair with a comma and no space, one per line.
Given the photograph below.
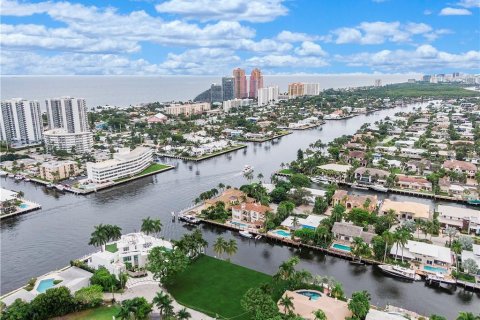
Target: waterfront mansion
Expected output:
[250,213]
[132,248]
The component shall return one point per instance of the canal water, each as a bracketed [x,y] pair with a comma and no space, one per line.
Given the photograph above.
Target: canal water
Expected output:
[48,239]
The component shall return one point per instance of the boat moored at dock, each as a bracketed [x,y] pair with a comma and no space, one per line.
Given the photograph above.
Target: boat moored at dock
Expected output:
[399,272]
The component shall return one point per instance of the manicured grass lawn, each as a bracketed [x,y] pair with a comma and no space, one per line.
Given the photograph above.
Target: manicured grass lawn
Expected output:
[152,168]
[215,286]
[111,247]
[286,171]
[100,313]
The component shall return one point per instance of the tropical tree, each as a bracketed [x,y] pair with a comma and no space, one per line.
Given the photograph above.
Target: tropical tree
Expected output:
[230,247]
[450,232]
[470,266]
[151,226]
[389,239]
[467,316]
[219,246]
[163,302]
[103,234]
[360,248]
[319,315]
[287,303]
[137,308]
[401,239]
[183,314]
[359,305]
[337,290]
[456,247]
[287,269]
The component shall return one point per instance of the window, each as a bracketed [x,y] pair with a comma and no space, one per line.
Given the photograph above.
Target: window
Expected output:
[129,258]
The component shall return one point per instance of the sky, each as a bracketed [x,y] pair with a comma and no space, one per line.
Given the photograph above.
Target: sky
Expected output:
[211,37]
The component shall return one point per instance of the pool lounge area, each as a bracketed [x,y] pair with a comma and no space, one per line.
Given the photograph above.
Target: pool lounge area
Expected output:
[341,247]
[433,269]
[281,233]
[45,284]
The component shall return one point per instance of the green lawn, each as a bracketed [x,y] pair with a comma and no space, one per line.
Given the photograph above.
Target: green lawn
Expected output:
[214,286]
[111,247]
[100,313]
[286,171]
[154,167]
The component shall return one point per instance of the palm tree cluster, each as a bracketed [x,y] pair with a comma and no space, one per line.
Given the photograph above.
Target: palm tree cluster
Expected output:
[151,226]
[192,244]
[103,234]
[222,246]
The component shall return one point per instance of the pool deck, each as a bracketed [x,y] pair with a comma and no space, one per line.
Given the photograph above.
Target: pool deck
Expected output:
[32,206]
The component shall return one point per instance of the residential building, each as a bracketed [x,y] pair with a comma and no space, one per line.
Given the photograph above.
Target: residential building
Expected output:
[351,201]
[250,213]
[298,89]
[67,113]
[187,109]
[132,248]
[240,83]
[312,221]
[157,118]
[371,175]
[21,122]
[73,142]
[413,183]
[229,197]
[256,82]
[424,253]
[458,166]
[405,210]
[475,256]
[335,170]
[267,95]
[216,93]
[347,231]
[353,156]
[458,217]
[228,88]
[58,170]
[236,103]
[124,164]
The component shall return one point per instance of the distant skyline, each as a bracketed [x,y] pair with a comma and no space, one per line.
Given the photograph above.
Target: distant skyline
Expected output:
[211,37]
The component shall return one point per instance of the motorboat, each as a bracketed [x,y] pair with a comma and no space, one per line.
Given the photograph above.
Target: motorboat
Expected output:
[379,188]
[359,186]
[11,175]
[18,177]
[50,185]
[474,202]
[246,234]
[3,173]
[27,179]
[189,219]
[399,272]
[440,278]
[60,187]
[247,169]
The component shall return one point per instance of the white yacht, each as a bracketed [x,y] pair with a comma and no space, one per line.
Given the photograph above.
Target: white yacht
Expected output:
[400,272]
[245,234]
[379,188]
[247,169]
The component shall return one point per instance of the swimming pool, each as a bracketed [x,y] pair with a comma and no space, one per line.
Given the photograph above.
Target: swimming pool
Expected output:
[282,233]
[313,295]
[45,284]
[341,247]
[435,269]
[23,206]
[238,224]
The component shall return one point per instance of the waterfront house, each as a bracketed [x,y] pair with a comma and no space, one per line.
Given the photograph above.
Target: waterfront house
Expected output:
[312,221]
[356,155]
[424,253]
[418,166]
[304,305]
[405,210]
[132,248]
[458,166]
[334,170]
[474,255]
[250,213]
[371,175]
[413,183]
[229,197]
[458,217]
[346,231]
[350,201]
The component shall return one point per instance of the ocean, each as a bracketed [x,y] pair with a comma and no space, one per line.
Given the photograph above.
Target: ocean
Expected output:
[122,91]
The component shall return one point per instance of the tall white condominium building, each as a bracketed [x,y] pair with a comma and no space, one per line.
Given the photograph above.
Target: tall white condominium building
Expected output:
[21,122]
[74,142]
[125,163]
[267,95]
[67,113]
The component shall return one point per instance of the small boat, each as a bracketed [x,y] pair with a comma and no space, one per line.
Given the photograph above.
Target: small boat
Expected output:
[18,177]
[27,179]
[440,278]
[60,187]
[399,272]
[247,169]
[359,186]
[11,175]
[357,262]
[379,188]
[246,234]
[189,219]
[3,173]
[50,185]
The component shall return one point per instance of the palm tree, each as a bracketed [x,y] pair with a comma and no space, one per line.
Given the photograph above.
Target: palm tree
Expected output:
[389,239]
[125,312]
[401,238]
[287,303]
[113,232]
[163,303]
[99,236]
[391,217]
[319,315]
[287,269]
[183,314]
[150,226]
[231,247]
[260,176]
[457,248]
[295,222]
[221,186]
[450,232]
[467,316]
[219,246]
[359,248]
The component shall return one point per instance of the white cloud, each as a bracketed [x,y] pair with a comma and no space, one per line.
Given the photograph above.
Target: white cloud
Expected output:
[379,32]
[288,36]
[427,12]
[309,48]
[285,61]
[423,58]
[448,11]
[238,10]
[470,3]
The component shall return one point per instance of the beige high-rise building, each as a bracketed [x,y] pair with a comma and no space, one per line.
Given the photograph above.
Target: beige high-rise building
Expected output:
[58,170]
[298,89]
[240,83]
[256,82]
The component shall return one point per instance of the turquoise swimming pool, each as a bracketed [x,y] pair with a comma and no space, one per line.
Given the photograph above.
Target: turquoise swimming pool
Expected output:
[239,224]
[312,295]
[435,269]
[282,233]
[45,284]
[23,206]
[341,247]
